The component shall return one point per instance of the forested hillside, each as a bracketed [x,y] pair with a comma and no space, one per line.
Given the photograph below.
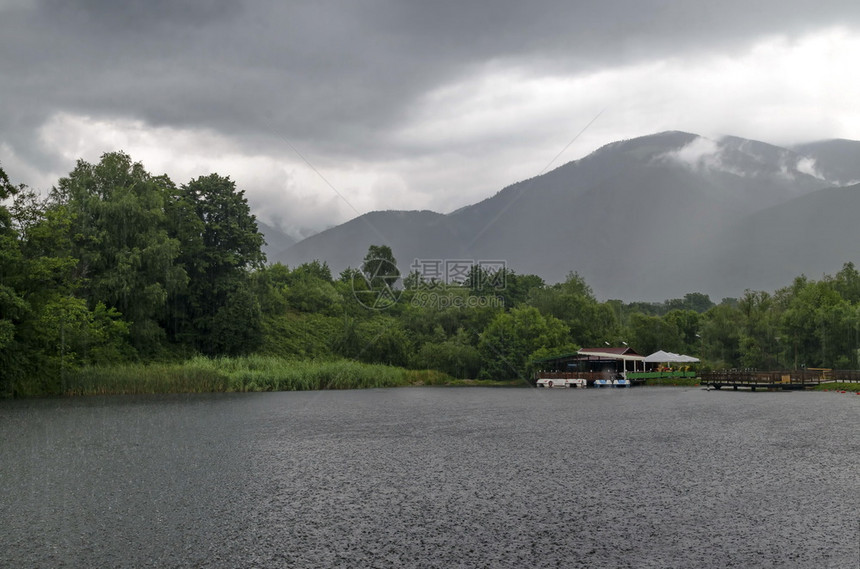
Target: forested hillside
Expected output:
[120,266]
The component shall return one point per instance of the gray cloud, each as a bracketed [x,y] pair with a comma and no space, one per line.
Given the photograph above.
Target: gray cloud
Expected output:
[342,80]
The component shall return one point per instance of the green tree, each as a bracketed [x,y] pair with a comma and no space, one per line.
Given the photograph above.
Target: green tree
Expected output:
[310,289]
[45,330]
[220,246]
[573,303]
[651,333]
[759,317]
[510,340]
[68,334]
[375,285]
[687,323]
[13,307]
[125,257]
[271,287]
[847,283]
[380,267]
[236,327]
[380,339]
[455,356]
[721,331]
[810,321]
[514,289]
[49,268]
[698,302]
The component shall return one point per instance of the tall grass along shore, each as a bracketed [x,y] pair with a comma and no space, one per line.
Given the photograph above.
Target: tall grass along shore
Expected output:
[241,374]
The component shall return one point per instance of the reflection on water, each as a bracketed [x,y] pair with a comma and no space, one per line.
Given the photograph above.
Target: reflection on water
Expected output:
[433,477]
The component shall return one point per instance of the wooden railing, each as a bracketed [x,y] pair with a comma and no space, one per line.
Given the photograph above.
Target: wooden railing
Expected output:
[659,374]
[799,376]
[845,375]
[740,376]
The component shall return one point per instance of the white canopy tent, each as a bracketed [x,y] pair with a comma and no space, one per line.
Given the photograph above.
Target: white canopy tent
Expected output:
[670,357]
[625,355]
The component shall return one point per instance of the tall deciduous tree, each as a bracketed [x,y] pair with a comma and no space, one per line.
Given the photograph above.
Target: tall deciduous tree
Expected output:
[13,307]
[120,238]
[380,267]
[220,246]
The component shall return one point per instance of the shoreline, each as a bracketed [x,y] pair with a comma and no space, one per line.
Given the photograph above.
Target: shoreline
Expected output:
[267,374]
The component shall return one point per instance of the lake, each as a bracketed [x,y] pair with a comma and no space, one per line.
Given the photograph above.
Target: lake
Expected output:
[433,477]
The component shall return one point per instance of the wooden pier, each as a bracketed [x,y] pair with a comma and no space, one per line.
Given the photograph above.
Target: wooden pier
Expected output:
[735,379]
[785,380]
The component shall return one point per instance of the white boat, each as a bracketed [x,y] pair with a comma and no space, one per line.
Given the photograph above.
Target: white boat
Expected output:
[552,383]
[578,382]
[602,383]
[621,383]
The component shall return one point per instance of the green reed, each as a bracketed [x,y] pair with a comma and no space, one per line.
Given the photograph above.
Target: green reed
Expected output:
[242,374]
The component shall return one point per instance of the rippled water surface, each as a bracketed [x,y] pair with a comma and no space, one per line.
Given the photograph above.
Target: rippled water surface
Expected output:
[433,477]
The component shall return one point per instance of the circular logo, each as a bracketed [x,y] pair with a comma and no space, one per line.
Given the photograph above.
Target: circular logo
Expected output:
[374,289]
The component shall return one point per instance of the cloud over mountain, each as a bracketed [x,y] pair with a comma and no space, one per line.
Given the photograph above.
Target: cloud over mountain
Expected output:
[649,218]
[405,105]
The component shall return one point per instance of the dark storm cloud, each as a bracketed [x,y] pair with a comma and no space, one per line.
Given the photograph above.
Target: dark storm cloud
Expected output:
[137,16]
[335,77]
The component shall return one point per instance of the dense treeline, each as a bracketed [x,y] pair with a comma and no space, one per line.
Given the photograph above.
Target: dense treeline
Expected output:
[118,266]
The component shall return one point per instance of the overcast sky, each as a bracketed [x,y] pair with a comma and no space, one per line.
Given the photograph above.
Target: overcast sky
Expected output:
[405,104]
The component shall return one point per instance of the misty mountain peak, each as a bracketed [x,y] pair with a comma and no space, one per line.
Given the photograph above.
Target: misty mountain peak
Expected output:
[645,148]
[647,218]
[836,159]
[745,159]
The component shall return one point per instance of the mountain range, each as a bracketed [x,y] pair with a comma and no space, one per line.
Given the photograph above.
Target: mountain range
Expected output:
[649,218]
[276,240]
